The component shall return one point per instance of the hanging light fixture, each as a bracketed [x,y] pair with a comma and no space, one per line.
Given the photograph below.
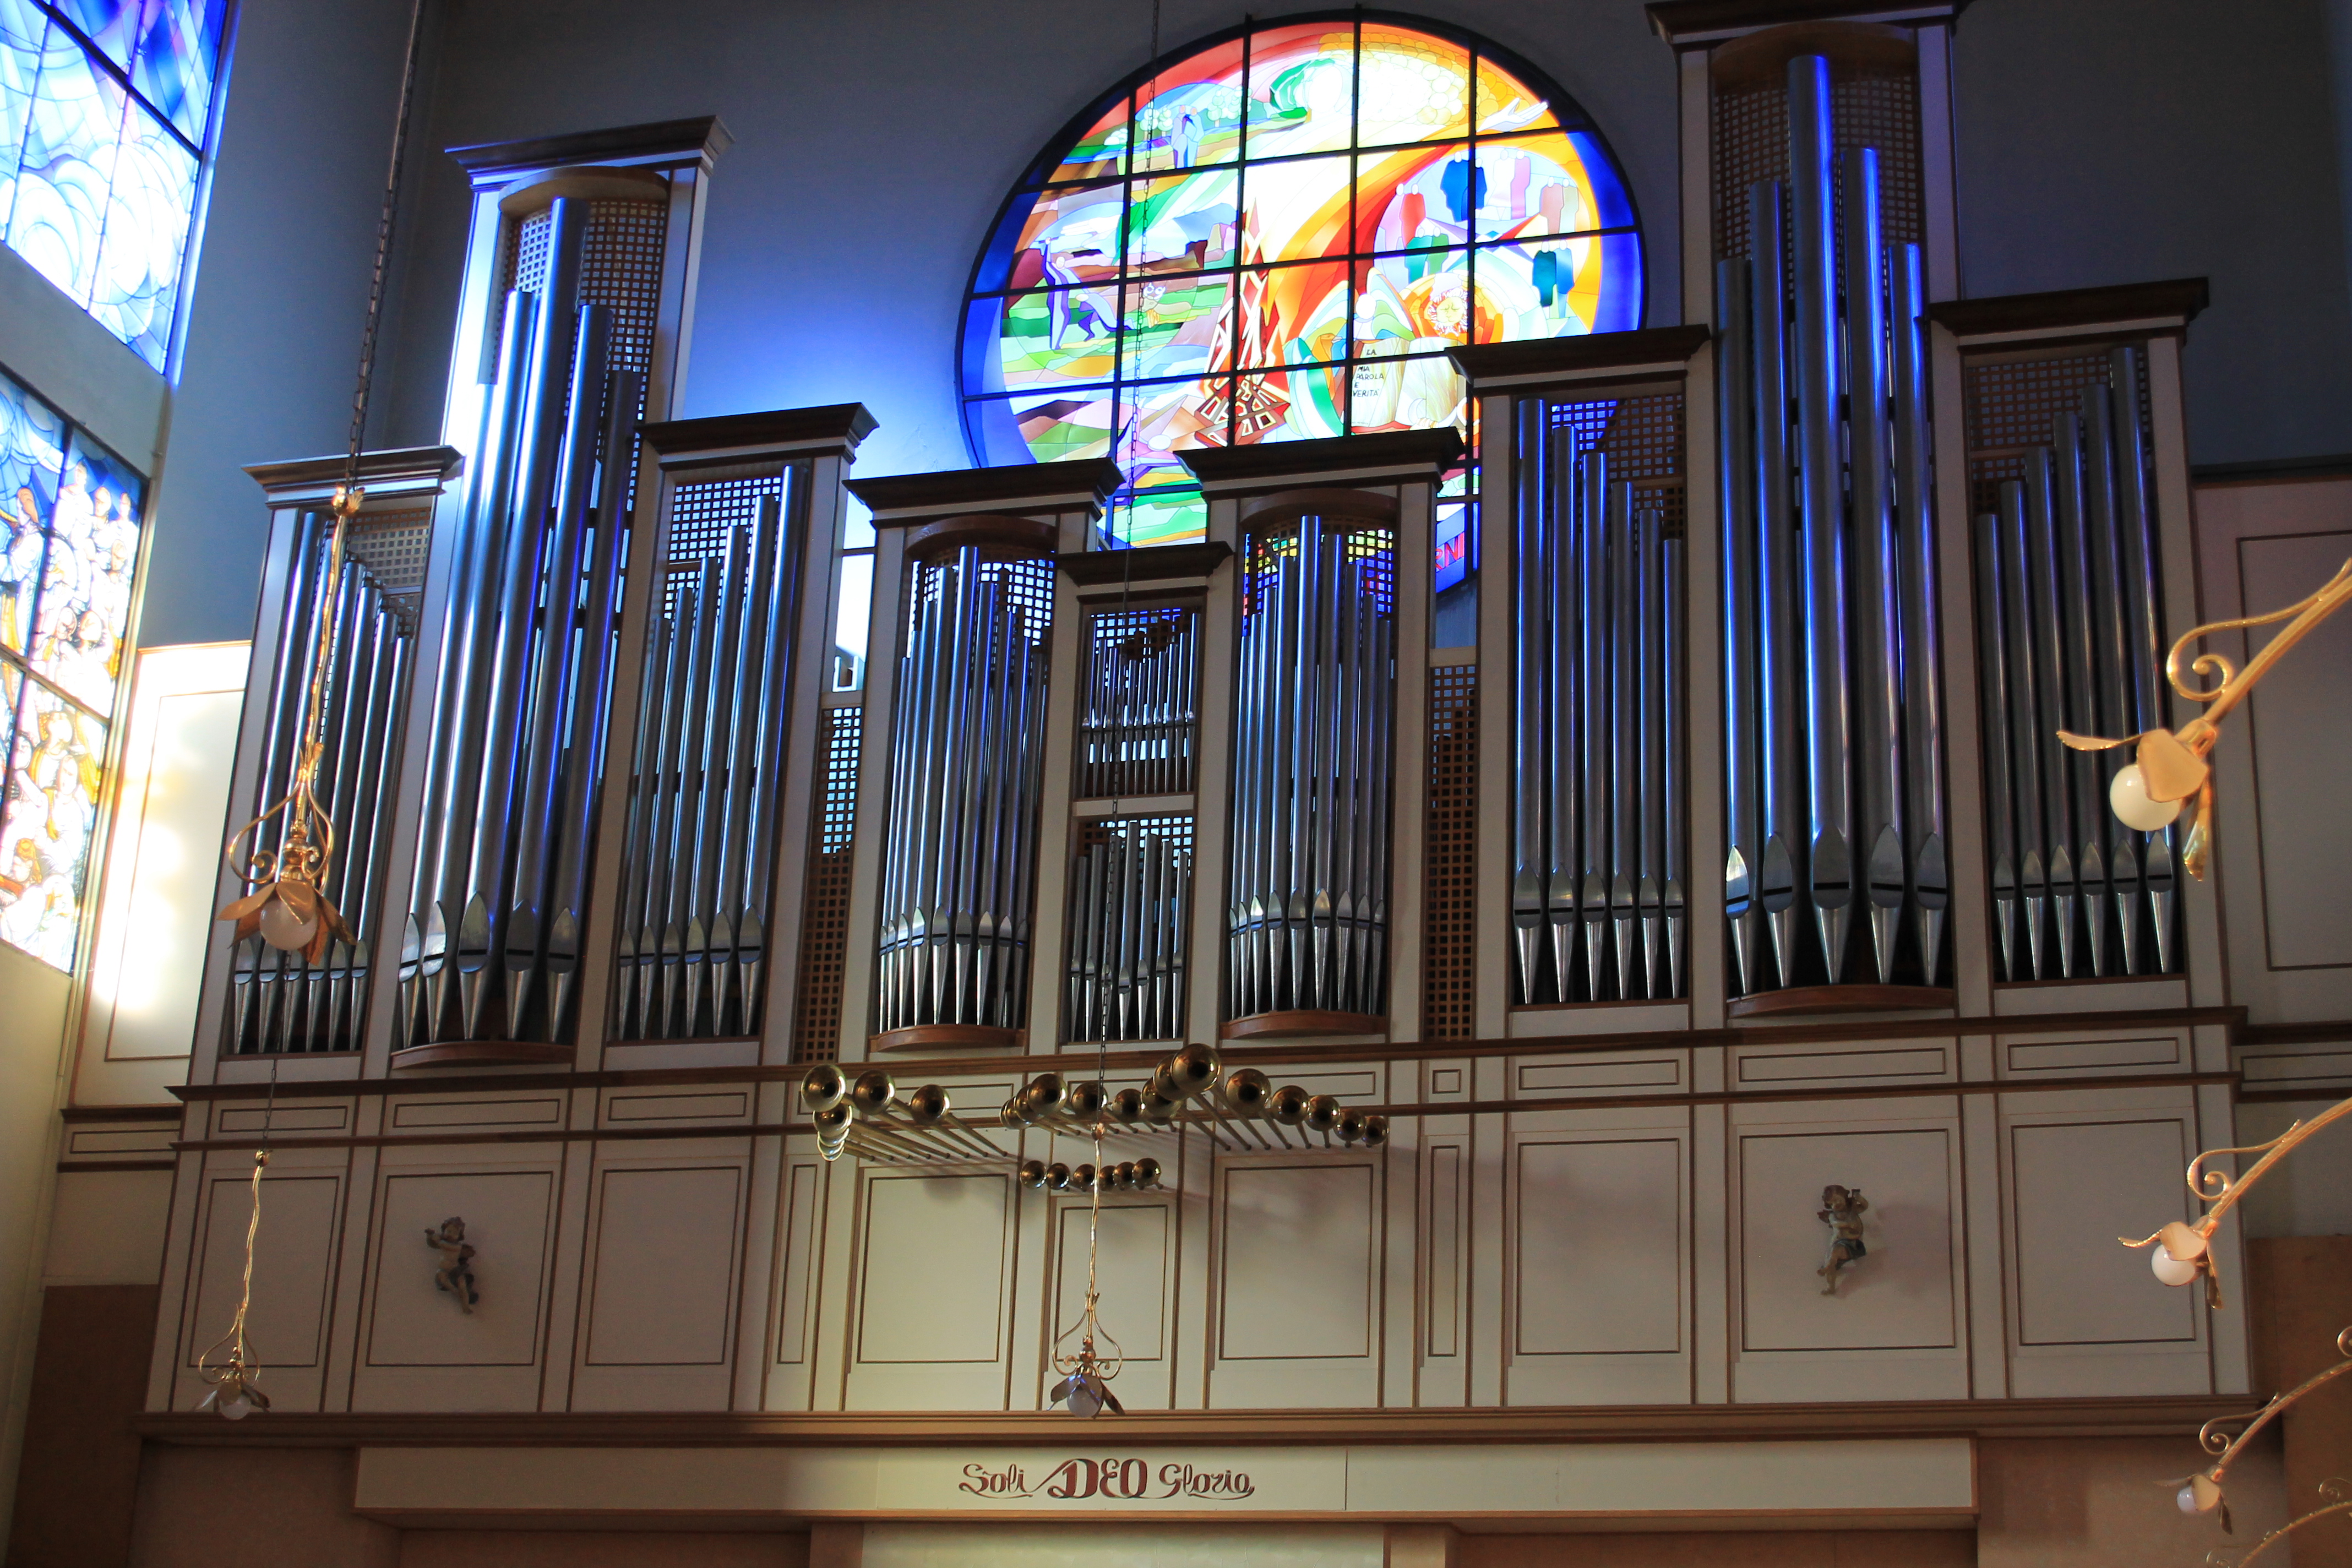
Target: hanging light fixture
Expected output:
[287,906]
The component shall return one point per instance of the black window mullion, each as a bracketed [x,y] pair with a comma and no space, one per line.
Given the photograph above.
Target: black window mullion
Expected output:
[121,76]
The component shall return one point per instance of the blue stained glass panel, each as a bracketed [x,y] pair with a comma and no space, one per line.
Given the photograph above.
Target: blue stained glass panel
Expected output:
[85,603]
[72,137]
[178,55]
[32,459]
[23,25]
[147,215]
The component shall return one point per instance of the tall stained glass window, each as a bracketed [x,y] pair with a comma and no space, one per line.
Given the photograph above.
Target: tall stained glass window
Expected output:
[1276,237]
[73,513]
[104,110]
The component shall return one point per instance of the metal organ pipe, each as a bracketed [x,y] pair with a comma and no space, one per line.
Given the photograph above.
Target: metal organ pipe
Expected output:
[1309,910]
[1829,557]
[2073,628]
[958,875]
[1597,792]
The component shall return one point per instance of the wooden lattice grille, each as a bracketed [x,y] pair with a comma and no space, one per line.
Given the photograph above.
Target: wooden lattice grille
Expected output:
[1642,438]
[1450,896]
[2008,405]
[1870,107]
[825,914]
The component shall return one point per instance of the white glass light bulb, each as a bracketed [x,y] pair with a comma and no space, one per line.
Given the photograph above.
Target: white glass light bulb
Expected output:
[2128,795]
[2198,1494]
[238,1408]
[2170,1270]
[282,929]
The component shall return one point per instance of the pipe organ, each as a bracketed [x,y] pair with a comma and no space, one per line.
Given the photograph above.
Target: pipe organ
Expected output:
[1307,894]
[2072,636]
[1599,910]
[278,1002]
[1833,740]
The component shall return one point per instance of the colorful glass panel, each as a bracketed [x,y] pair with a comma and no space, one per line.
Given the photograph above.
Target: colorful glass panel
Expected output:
[54,769]
[72,510]
[1316,212]
[106,104]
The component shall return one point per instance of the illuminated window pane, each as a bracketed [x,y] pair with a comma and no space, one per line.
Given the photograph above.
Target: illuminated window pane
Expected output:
[32,459]
[1314,214]
[101,147]
[54,772]
[84,607]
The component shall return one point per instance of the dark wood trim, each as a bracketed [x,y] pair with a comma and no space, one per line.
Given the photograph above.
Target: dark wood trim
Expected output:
[902,501]
[1689,24]
[481,1053]
[838,426]
[2275,471]
[73,1113]
[1815,1000]
[700,139]
[2326,1031]
[1396,455]
[1302,1024]
[1021,535]
[1160,564]
[1870,50]
[1597,353]
[1807,1032]
[2147,1416]
[165,1164]
[1362,509]
[476,1137]
[417,464]
[2173,301]
[944,1037]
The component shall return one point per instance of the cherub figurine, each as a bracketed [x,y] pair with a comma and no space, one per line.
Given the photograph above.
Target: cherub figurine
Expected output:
[1841,1210]
[456,1271]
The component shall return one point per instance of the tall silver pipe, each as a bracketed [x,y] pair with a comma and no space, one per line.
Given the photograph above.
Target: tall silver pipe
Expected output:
[1674,804]
[1531,648]
[2033,837]
[1592,672]
[1922,709]
[2001,807]
[1650,797]
[1735,461]
[1561,759]
[2144,603]
[1820,497]
[2111,647]
[1878,721]
[2041,560]
[1779,661]
[2071,543]
[1625,739]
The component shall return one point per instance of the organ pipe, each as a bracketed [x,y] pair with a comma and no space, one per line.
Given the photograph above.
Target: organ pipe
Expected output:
[958,871]
[492,944]
[1307,902]
[279,1000]
[2070,626]
[1598,901]
[1834,739]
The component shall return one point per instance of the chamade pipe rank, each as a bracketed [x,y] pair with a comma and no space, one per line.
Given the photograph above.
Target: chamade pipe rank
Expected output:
[1833,716]
[2071,635]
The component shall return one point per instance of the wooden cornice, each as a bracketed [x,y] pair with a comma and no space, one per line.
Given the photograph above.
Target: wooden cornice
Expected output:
[1394,457]
[81,1113]
[1298,1054]
[2165,306]
[836,427]
[2161,1415]
[1650,353]
[402,470]
[1695,23]
[661,144]
[905,501]
[1158,564]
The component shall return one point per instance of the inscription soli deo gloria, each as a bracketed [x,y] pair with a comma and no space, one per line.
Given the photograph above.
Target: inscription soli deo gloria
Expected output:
[1110,1478]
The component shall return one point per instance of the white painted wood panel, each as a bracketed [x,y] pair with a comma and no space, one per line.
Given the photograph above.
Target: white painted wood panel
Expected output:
[294,1258]
[929,1316]
[1296,1286]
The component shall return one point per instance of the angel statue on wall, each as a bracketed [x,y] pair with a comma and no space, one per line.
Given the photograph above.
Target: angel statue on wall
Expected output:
[1841,1210]
[455,1274]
